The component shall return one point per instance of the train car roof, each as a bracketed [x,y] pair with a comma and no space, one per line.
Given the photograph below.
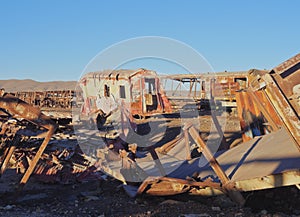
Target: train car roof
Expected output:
[204,75]
[119,74]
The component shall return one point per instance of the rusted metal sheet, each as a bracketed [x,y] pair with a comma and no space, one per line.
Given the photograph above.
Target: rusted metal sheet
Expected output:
[262,167]
[171,186]
[280,86]
[288,67]
[256,113]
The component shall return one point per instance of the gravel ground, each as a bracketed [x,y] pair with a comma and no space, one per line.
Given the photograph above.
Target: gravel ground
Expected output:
[107,198]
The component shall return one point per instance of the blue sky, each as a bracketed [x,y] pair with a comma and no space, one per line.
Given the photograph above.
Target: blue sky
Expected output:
[54,40]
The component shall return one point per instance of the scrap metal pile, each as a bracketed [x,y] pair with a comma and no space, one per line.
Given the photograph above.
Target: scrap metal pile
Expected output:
[27,144]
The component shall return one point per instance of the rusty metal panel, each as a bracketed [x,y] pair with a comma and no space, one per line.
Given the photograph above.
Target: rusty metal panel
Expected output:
[288,67]
[287,77]
[282,87]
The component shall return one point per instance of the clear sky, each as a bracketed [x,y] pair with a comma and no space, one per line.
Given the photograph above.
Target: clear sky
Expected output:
[54,40]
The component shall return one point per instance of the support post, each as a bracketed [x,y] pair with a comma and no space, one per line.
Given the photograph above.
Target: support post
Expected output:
[37,157]
[9,152]
[157,161]
[232,192]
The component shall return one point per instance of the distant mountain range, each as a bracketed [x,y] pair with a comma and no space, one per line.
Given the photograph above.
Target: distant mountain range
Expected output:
[14,85]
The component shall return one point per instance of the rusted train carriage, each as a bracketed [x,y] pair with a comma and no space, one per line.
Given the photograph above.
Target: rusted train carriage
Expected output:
[220,86]
[139,91]
[224,85]
[47,99]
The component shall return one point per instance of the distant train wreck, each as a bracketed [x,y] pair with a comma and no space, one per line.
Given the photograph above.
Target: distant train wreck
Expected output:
[48,99]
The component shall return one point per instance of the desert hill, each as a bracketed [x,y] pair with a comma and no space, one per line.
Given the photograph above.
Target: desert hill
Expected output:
[14,85]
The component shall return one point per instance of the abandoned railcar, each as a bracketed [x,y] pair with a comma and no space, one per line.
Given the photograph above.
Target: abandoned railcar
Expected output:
[221,86]
[138,91]
[47,99]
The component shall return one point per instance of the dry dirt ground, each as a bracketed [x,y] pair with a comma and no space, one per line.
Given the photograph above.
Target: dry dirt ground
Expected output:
[108,198]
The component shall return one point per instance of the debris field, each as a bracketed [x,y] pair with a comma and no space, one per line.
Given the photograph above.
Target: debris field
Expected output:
[229,147]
